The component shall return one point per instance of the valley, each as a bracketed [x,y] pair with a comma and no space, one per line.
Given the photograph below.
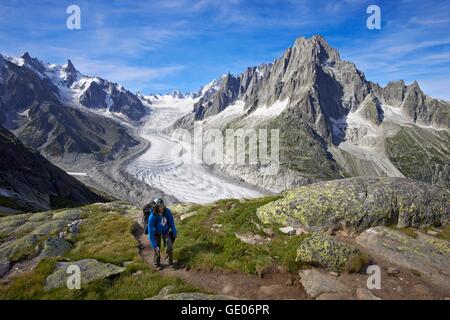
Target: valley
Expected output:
[166,167]
[363,181]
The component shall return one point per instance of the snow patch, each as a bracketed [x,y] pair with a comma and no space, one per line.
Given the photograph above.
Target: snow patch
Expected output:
[78,174]
[273,111]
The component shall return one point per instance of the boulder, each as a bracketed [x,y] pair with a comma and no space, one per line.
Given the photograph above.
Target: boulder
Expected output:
[51,227]
[268,232]
[290,231]
[360,203]
[322,250]
[73,214]
[316,283]
[26,228]
[91,270]
[271,290]
[5,266]
[12,223]
[181,208]
[167,293]
[54,247]
[250,238]
[425,254]
[41,216]
[365,294]
[193,296]
[18,249]
[184,216]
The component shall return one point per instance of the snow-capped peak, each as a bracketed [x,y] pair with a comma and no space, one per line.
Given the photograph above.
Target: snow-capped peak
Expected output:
[213,86]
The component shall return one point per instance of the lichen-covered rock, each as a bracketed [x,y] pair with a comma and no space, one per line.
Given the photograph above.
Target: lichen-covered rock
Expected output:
[425,254]
[16,250]
[40,216]
[67,215]
[167,293]
[193,296]
[12,223]
[317,283]
[360,203]
[187,215]
[91,270]
[54,247]
[181,208]
[321,250]
[26,228]
[51,227]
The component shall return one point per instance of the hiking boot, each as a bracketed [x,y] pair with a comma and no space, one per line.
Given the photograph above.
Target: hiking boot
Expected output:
[158,267]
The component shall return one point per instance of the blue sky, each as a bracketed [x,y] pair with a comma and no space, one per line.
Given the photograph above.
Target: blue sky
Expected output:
[157,46]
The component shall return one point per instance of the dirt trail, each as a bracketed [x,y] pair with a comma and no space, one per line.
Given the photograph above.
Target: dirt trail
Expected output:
[235,284]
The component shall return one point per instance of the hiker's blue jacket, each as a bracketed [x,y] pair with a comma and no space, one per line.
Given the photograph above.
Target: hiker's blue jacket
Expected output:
[157,225]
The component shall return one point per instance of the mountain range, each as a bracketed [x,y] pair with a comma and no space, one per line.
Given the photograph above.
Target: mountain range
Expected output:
[29,182]
[62,113]
[333,122]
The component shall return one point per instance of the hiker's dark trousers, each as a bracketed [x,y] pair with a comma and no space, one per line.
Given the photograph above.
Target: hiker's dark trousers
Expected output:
[167,239]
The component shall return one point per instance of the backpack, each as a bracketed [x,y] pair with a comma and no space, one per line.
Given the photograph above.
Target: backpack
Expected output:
[146,215]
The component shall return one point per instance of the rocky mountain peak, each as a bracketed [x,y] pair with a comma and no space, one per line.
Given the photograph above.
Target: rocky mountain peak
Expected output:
[70,68]
[177,94]
[33,62]
[26,56]
[316,48]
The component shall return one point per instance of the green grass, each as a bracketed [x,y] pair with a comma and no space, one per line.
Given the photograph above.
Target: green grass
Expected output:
[444,233]
[125,286]
[107,236]
[199,247]
[29,285]
[420,155]
[408,231]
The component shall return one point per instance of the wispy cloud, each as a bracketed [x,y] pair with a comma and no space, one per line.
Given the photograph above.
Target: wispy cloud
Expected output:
[151,44]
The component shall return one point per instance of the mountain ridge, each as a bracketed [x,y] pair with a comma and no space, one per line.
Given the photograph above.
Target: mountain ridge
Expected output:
[322,95]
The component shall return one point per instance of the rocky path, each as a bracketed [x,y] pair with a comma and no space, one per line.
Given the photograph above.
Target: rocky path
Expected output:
[276,285]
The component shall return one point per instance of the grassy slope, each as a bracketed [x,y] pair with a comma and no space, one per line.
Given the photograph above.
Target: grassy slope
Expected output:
[199,247]
[106,236]
[421,155]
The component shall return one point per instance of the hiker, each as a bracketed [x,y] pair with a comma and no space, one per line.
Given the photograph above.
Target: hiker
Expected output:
[161,225]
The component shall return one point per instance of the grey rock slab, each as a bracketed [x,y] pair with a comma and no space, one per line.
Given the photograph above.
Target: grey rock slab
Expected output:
[51,227]
[91,270]
[425,254]
[316,283]
[192,296]
[5,266]
[67,215]
[55,246]
[366,294]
